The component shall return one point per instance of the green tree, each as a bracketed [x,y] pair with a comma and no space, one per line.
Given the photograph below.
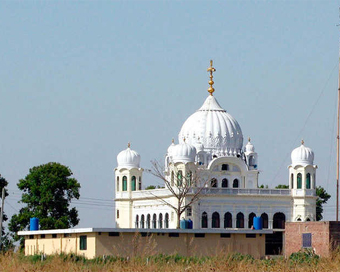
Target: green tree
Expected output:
[282,186]
[48,190]
[323,197]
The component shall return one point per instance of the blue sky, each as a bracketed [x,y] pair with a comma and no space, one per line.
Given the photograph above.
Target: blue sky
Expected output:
[80,79]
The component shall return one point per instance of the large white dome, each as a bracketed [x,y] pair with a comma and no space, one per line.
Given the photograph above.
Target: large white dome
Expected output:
[218,131]
[302,155]
[128,158]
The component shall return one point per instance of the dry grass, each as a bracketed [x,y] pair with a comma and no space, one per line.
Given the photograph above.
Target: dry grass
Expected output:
[236,262]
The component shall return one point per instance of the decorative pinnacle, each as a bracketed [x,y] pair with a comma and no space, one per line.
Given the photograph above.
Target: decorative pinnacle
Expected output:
[211,69]
[173,140]
[302,142]
[248,139]
[184,139]
[129,144]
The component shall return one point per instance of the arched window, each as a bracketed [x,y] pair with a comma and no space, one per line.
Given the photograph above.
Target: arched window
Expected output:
[124,183]
[279,220]
[154,221]
[251,161]
[308,181]
[225,183]
[215,220]
[117,187]
[189,178]
[299,181]
[204,220]
[264,217]
[142,220]
[133,183]
[251,220]
[240,220]
[179,178]
[299,219]
[200,159]
[235,183]
[148,219]
[160,221]
[292,181]
[137,221]
[307,219]
[225,167]
[140,183]
[228,222]
[172,178]
[166,221]
[213,182]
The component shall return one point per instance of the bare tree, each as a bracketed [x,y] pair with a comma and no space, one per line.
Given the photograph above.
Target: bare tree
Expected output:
[186,189]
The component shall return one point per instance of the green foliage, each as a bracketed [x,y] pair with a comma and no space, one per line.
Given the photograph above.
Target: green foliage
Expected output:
[323,197]
[238,257]
[304,256]
[262,186]
[282,186]
[150,187]
[47,193]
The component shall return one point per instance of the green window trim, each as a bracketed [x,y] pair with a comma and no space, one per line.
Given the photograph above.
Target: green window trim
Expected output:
[133,183]
[179,178]
[83,242]
[124,183]
[308,181]
[299,181]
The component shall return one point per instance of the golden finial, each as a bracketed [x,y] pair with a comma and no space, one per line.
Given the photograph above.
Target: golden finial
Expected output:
[173,140]
[211,69]
[184,139]
[129,144]
[302,142]
[248,139]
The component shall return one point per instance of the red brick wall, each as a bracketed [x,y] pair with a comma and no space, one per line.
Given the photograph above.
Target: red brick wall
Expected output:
[320,236]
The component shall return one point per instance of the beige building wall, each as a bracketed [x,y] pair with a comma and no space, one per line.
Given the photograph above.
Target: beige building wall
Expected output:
[60,244]
[143,244]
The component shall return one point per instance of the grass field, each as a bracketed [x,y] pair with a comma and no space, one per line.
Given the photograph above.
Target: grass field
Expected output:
[234,262]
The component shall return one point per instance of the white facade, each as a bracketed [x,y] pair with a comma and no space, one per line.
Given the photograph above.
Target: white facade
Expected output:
[210,154]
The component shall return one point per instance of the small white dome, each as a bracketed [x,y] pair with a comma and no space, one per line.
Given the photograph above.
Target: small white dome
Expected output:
[249,147]
[302,155]
[183,152]
[128,158]
[170,148]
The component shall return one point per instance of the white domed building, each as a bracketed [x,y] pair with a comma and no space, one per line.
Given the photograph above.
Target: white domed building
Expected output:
[212,166]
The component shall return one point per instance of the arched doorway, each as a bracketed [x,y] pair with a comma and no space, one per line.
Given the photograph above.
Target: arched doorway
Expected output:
[264,217]
[228,222]
[215,221]
[204,220]
[279,220]
[251,220]
[240,220]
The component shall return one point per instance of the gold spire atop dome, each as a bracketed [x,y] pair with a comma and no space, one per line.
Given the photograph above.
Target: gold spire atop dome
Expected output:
[211,69]
[302,142]
[129,144]
[173,140]
[248,139]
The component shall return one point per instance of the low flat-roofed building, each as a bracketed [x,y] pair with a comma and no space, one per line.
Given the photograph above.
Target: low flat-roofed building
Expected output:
[96,242]
[321,237]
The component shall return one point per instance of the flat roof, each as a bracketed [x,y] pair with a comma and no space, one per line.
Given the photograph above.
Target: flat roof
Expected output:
[90,230]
